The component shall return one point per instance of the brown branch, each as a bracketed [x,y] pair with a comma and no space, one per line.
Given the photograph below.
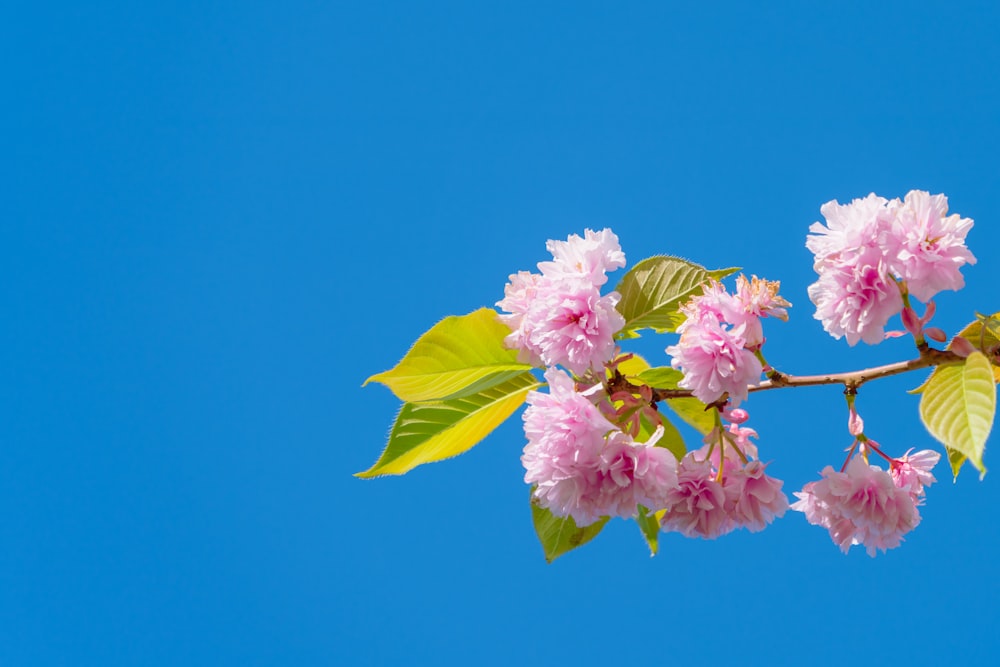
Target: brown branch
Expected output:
[851,380]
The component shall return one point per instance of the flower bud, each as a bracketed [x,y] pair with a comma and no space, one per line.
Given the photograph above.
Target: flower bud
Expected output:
[936,334]
[737,415]
[911,322]
[962,347]
[929,312]
[855,424]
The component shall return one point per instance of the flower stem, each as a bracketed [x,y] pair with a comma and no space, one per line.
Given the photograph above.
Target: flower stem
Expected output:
[850,454]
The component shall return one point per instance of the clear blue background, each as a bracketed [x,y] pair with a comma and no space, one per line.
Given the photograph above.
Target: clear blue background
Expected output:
[217,219]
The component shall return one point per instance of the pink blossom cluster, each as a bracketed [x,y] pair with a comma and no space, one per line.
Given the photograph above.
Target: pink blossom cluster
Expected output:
[559,317]
[708,503]
[864,504]
[870,246]
[581,464]
[719,337]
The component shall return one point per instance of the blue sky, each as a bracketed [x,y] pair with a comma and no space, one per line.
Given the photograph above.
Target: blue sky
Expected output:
[218,219]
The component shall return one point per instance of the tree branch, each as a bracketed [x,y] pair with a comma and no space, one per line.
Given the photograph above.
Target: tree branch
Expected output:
[851,380]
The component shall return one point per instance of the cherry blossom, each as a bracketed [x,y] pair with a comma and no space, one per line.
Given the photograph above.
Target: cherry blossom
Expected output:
[559,317]
[589,258]
[926,246]
[581,465]
[755,299]
[718,336]
[697,506]
[873,250]
[849,229]
[708,504]
[753,499]
[913,473]
[861,505]
[856,297]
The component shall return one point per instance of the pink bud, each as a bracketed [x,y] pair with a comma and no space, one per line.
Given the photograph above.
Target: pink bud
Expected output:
[855,424]
[737,415]
[911,322]
[936,334]
[929,313]
[962,347]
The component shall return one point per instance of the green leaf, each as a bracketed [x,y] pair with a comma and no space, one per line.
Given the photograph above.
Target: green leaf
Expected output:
[671,439]
[633,367]
[560,535]
[923,385]
[983,338]
[654,290]
[458,356]
[694,412]
[719,274]
[955,460]
[957,407]
[427,432]
[661,377]
[649,526]
[984,334]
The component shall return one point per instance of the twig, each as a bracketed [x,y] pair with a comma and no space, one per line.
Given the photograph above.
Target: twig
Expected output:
[851,380]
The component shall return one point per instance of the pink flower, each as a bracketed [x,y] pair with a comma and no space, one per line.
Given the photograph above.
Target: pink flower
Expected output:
[559,317]
[861,505]
[753,499]
[913,473]
[855,297]
[714,303]
[588,258]
[871,243]
[714,360]
[719,334]
[707,504]
[756,299]
[571,327]
[565,433]
[581,465]
[519,294]
[926,246]
[849,227]
[635,474]
[697,506]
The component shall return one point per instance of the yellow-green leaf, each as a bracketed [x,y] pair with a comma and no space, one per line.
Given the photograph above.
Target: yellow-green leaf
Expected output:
[654,290]
[980,337]
[559,535]
[984,338]
[671,439]
[649,526]
[957,407]
[428,432]
[458,356]
[955,460]
[661,377]
[633,367]
[694,412]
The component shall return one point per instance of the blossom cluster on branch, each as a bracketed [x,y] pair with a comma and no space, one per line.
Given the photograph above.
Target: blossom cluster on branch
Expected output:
[599,445]
[873,253]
